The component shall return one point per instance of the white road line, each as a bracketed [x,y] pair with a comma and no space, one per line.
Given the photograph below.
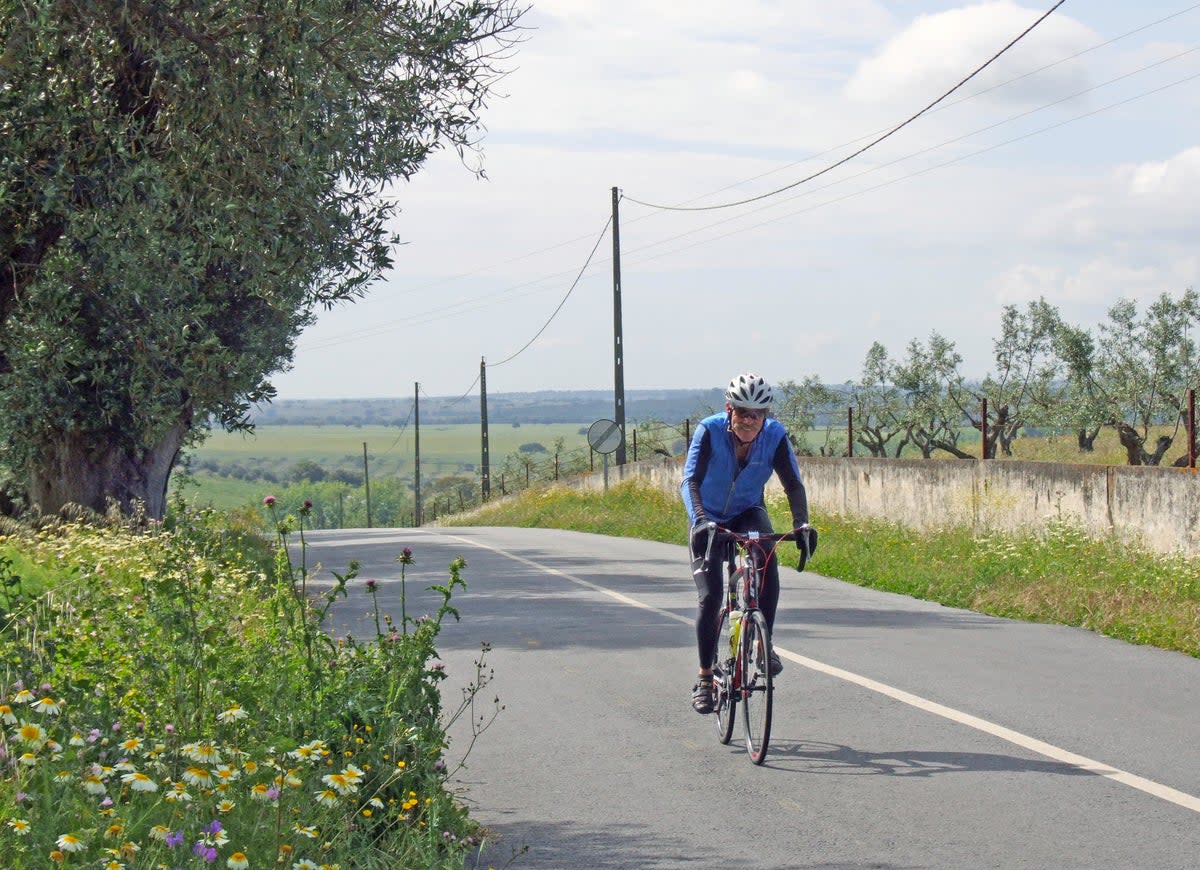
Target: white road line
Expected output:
[1150,787]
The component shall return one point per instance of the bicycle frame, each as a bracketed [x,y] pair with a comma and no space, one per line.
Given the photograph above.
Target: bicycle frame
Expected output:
[742,673]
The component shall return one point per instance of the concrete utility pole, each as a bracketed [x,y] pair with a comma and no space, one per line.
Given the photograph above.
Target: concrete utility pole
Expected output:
[485,460]
[417,463]
[618,350]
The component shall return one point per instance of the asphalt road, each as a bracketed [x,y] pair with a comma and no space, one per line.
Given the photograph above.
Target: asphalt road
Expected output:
[906,735]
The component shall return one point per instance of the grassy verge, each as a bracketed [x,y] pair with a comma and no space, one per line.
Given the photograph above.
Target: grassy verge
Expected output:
[169,699]
[1053,574]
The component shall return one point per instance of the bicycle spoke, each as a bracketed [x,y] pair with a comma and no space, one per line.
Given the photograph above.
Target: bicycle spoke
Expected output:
[758,689]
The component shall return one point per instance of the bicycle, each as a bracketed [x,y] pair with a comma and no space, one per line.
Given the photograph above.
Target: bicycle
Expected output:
[741,663]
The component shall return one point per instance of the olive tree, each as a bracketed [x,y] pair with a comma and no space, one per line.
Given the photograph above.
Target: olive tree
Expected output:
[183,187]
[1025,386]
[878,405]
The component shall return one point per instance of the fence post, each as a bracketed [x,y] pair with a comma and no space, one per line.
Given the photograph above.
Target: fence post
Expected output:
[983,433]
[850,431]
[1191,433]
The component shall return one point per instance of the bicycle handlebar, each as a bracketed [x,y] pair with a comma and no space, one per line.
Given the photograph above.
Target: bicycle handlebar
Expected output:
[716,532]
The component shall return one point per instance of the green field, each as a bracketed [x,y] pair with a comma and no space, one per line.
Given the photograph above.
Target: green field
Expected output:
[244,463]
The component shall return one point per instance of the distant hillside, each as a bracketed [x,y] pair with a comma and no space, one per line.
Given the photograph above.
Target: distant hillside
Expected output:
[549,406]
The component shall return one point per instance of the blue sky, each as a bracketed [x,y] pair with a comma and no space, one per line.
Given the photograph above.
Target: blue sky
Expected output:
[1069,170]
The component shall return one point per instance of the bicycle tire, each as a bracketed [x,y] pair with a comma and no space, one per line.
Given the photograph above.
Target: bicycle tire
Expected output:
[757,684]
[724,703]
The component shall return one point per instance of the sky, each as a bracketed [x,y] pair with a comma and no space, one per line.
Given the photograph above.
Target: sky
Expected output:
[1068,170]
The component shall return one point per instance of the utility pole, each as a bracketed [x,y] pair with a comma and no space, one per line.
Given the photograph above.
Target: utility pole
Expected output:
[417,464]
[485,460]
[367,484]
[618,350]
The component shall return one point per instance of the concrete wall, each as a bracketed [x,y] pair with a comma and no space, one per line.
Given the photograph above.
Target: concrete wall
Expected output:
[1158,507]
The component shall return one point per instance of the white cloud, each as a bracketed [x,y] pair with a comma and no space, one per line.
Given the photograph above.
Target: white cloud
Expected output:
[937,51]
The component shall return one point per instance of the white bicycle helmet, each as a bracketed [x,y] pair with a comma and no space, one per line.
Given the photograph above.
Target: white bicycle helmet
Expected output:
[749,391]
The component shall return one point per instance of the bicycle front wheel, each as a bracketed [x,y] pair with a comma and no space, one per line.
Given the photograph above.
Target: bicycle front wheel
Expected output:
[723,681]
[757,687]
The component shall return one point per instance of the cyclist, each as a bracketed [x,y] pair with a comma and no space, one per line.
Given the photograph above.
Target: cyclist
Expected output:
[732,456]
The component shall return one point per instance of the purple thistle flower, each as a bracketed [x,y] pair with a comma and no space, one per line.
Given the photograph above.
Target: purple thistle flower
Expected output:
[269,501]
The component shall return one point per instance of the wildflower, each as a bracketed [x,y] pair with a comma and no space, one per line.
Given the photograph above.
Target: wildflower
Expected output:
[57,856]
[237,861]
[269,501]
[177,793]
[138,781]
[69,843]
[371,585]
[93,784]
[405,557]
[47,705]
[233,714]
[20,827]
[23,697]
[77,740]
[202,753]
[174,839]
[342,783]
[160,832]
[225,806]
[306,831]
[133,744]
[114,830]
[203,850]
[198,776]
[260,791]
[327,797]
[113,865]
[305,864]
[32,733]
[27,758]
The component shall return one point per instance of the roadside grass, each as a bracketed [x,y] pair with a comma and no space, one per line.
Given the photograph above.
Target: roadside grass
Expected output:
[1054,574]
[168,698]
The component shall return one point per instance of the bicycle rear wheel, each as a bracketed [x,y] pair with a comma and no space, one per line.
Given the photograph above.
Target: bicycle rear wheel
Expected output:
[757,687]
[722,665]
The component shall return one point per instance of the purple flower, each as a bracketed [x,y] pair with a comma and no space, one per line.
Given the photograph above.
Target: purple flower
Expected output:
[370,585]
[308,504]
[405,557]
[116,727]
[169,728]
[273,793]
[269,501]
[174,839]
[214,827]
[107,802]
[21,797]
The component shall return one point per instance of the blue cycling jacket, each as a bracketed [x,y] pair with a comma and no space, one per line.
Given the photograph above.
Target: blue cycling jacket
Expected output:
[711,471]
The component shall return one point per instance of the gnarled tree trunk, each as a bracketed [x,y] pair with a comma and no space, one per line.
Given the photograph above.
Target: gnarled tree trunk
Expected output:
[75,468]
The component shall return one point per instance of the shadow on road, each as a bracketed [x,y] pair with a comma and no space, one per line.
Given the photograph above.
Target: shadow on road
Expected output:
[806,756]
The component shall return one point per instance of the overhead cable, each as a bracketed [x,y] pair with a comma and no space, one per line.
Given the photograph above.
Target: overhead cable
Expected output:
[866,147]
[570,290]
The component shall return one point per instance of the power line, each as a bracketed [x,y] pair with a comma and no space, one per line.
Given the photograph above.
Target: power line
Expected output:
[931,148]
[927,169]
[575,283]
[866,147]
[487,299]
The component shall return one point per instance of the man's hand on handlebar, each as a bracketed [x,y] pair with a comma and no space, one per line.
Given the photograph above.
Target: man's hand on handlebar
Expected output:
[806,542]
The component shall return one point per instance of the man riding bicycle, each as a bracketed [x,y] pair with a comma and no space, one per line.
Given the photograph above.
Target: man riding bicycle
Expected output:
[730,460]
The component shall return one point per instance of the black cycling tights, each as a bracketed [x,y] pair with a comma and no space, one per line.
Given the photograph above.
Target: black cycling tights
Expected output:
[710,585]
